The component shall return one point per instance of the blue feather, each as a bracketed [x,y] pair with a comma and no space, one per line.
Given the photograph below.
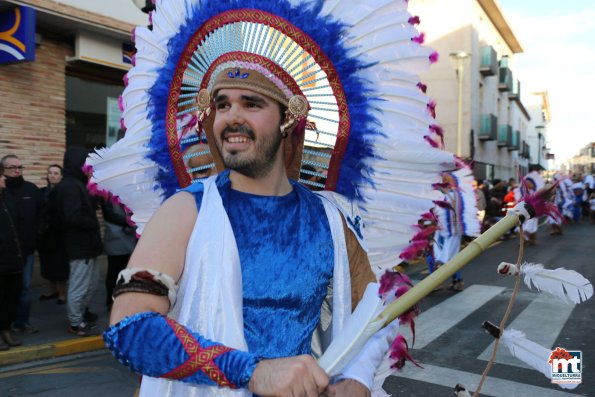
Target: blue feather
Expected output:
[327,33]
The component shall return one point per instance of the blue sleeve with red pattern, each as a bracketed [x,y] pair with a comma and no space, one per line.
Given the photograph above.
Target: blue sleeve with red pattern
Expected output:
[154,345]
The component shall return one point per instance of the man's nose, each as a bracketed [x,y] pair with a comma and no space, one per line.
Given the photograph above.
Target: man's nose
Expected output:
[235,115]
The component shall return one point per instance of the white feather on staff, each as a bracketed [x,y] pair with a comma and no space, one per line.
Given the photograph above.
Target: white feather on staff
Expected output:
[532,354]
[564,283]
[567,285]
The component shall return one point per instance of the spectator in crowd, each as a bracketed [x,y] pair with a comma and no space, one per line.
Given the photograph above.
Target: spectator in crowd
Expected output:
[511,184]
[484,186]
[119,239]
[589,182]
[12,262]
[499,190]
[578,191]
[592,207]
[480,199]
[29,206]
[77,210]
[52,253]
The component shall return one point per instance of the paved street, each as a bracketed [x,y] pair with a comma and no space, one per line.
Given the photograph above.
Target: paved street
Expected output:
[450,344]
[453,348]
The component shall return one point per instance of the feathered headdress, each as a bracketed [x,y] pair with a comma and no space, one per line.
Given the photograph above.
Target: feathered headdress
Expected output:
[459,210]
[355,63]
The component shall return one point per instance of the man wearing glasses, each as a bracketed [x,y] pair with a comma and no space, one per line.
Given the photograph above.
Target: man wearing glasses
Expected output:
[27,200]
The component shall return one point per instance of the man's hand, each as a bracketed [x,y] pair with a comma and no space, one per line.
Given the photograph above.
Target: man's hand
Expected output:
[291,376]
[348,388]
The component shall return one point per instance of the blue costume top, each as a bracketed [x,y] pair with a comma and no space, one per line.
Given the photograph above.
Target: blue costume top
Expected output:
[286,255]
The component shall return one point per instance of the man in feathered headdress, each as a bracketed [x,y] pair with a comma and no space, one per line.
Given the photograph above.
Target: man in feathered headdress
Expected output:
[254,270]
[275,221]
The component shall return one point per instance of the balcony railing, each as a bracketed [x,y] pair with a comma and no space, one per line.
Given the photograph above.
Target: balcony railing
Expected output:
[489,61]
[515,93]
[505,79]
[489,127]
[503,131]
[513,140]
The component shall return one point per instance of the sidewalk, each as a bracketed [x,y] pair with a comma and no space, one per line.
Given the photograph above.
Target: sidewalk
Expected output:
[53,339]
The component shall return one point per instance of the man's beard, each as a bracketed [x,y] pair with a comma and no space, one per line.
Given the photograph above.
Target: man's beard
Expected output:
[261,162]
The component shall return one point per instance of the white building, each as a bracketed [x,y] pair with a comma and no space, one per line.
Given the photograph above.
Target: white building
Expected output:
[494,123]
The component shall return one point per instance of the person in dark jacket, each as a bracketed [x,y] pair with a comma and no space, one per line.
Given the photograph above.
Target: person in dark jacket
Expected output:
[11,267]
[119,242]
[80,229]
[29,206]
[52,252]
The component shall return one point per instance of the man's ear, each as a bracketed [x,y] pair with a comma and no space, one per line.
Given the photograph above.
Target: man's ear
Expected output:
[293,148]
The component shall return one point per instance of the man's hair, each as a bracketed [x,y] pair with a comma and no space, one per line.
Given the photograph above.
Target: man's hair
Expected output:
[282,110]
[8,156]
[56,166]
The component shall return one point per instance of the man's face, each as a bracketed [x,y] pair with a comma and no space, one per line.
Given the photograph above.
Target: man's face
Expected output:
[246,130]
[13,167]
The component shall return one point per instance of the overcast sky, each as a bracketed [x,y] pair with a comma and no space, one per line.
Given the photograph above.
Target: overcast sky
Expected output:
[558,38]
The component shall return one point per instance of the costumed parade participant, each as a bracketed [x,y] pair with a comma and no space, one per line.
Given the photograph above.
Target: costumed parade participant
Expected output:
[238,279]
[530,184]
[457,216]
[564,202]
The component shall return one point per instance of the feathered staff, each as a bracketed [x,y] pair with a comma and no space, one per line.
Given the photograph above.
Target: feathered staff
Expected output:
[567,285]
[344,348]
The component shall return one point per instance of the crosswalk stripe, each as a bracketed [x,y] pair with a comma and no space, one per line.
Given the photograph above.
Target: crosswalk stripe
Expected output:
[435,321]
[542,321]
[492,387]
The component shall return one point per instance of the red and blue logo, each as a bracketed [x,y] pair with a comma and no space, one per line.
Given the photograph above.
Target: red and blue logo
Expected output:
[17,35]
[566,365]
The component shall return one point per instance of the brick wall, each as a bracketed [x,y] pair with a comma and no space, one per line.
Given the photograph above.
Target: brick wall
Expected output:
[32,109]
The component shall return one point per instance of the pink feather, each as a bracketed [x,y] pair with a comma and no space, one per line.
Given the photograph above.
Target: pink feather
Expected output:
[432,108]
[443,204]
[399,353]
[391,281]
[423,88]
[121,103]
[434,57]
[541,204]
[431,141]
[414,20]
[419,39]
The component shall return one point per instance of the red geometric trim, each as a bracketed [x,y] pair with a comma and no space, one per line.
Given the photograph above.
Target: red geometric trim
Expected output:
[200,359]
[284,26]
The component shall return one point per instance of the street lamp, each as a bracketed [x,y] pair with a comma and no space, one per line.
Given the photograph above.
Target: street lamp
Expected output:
[539,129]
[458,59]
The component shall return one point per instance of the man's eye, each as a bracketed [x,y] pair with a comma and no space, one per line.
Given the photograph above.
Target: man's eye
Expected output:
[222,105]
[253,105]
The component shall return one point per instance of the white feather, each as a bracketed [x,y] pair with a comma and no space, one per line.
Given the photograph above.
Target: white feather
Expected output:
[566,284]
[529,352]
[356,332]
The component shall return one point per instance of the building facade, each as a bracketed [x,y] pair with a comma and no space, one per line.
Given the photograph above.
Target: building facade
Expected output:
[477,49]
[67,94]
